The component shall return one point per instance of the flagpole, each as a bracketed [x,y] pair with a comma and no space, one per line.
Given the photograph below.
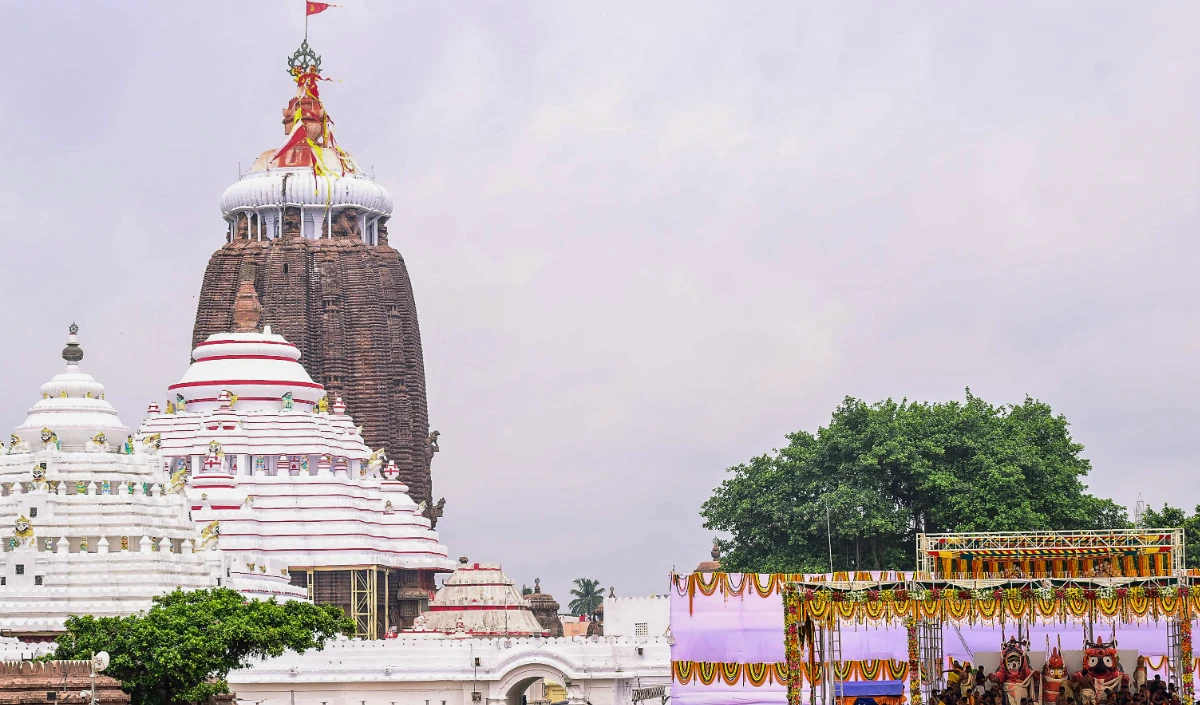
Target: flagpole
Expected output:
[306,23]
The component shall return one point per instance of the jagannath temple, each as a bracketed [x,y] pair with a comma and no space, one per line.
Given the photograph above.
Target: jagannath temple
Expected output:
[308,227]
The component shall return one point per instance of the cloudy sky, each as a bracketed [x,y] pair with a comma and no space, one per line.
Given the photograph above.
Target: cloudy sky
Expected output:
[647,239]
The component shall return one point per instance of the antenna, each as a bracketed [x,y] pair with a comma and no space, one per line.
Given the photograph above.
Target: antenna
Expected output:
[1139,513]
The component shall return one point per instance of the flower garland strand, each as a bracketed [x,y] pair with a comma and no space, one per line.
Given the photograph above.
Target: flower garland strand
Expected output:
[914,666]
[791,642]
[991,604]
[1189,663]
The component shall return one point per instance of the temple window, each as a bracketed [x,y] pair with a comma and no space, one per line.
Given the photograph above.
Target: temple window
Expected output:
[3,580]
[285,267]
[33,512]
[641,629]
[37,580]
[20,569]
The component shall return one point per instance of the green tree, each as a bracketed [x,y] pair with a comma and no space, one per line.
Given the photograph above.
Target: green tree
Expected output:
[587,594]
[182,649]
[1173,518]
[526,590]
[880,473]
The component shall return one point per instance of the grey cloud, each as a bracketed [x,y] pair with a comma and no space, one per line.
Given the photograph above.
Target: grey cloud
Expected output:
[648,241]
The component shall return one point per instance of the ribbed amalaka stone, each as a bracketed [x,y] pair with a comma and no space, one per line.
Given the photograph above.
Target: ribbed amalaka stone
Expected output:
[349,307]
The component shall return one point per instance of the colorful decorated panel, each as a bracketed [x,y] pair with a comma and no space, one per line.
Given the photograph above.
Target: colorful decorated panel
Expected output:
[1133,553]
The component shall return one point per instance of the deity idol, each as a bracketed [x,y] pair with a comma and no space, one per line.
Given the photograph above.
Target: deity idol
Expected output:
[1015,674]
[1054,672]
[1101,674]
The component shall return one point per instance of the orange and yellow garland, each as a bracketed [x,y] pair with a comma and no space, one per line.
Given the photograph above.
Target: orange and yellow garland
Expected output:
[760,674]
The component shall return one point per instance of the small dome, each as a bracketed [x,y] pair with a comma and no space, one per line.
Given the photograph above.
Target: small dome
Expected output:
[73,407]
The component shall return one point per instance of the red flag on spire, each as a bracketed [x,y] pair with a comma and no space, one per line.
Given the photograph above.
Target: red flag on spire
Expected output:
[312,8]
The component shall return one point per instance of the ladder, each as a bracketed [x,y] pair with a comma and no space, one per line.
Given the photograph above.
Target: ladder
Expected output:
[1174,651]
[929,641]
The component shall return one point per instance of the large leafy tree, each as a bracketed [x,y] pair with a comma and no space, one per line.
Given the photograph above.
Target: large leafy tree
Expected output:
[1174,518]
[879,473]
[182,649]
[587,596]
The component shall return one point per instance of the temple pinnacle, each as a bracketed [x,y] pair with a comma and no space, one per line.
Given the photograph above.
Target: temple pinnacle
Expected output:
[73,353]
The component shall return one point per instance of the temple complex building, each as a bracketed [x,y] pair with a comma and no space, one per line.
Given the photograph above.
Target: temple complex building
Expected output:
[307,228]
[274,468]
[94,524]
[491,671]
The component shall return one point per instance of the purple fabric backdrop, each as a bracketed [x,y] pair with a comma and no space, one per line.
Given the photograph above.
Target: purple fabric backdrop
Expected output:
[749,629]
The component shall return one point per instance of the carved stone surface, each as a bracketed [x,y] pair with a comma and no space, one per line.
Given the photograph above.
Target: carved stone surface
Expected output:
[349,307]
[545,609]
[29,682]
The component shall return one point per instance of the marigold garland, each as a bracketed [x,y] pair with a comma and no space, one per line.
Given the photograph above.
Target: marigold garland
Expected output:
[914,669]
[868,606]
[760,674]
[1189,663]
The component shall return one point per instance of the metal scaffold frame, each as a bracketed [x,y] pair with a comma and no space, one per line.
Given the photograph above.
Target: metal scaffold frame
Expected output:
[363,598]
[1039,544]
[929,641]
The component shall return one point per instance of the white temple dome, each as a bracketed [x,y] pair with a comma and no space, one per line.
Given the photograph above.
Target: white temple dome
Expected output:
[73,407]
[258,368]
[267,186]
[310,186]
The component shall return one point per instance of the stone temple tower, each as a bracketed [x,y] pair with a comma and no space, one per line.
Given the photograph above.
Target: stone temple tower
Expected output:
[308,228]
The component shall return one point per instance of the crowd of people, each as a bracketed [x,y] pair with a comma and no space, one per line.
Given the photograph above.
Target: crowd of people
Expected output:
[973,687]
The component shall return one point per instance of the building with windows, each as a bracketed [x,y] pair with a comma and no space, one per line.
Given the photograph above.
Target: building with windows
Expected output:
[637,617]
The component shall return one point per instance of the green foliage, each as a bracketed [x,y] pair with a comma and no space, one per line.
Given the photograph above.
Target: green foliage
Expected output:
[1172,518]
[526,590]
[182,649]
[884,472]
[588,596]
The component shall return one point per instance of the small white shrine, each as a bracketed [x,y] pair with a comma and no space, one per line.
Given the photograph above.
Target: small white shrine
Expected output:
[479,600]
[92,522]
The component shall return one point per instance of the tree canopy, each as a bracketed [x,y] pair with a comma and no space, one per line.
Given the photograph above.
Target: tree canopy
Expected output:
[880,473]
[1171,517]
[587,594]
[182,649]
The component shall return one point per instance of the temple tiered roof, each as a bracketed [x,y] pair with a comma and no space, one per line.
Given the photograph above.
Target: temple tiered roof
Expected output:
[480,600]
[95,524]
[283,471]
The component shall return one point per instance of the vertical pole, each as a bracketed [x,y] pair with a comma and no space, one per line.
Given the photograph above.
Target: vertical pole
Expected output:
[829,538]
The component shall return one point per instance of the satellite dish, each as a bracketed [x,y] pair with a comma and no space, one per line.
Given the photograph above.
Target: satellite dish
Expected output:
[100,661]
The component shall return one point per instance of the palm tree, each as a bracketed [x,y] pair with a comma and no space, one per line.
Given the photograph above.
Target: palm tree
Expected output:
[588,595]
